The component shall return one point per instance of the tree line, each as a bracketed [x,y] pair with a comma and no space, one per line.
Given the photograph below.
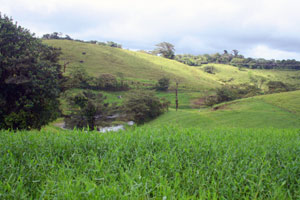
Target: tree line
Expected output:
[238,60]
[61,36]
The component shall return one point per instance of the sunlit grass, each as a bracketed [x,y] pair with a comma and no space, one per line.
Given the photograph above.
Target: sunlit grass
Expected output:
[277,110]
[151,163]
[148,69]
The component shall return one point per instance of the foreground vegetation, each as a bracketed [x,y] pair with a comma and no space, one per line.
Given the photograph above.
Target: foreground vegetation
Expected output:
[159,163]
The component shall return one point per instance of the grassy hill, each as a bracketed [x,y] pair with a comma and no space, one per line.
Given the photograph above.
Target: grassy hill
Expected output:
[280,110]
[147,69]
[233,75]
[134,66]
[270,110]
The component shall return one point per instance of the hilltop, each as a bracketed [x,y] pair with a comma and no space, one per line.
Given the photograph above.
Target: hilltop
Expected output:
[135,66]
[146,69]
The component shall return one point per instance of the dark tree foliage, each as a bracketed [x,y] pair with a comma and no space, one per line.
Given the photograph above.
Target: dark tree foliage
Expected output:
[30,78]
[163,84]
[113,44]
[87,110]
[143,106]
[56,36]
[79,78]
[210,69]
[232,92]
[237,60]
[277,86]
[166,49]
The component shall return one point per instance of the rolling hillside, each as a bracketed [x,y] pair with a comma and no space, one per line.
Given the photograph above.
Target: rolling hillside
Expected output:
[134,66]
[280,110]
[147,69]
[232,75]
[277,110]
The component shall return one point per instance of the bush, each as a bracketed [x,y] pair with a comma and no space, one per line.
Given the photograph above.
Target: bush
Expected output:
[109,82]
[210,69]
[163,84]
[79,78]
[232,92]
[142,106]
[30,79]
[87,110]
[277,86]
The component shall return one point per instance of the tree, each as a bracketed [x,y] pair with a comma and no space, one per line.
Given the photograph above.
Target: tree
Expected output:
[113,44]
[107,82]
[163,84]
[87,110]
[142,106]
[277,86]
[235,52]
[30,79]
[166,49]
[210,69]
[79,78]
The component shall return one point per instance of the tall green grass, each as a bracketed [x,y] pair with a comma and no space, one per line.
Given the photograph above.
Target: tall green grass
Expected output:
[151,163]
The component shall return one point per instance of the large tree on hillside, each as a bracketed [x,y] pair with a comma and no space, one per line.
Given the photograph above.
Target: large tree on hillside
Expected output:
[166,49]
[30,78]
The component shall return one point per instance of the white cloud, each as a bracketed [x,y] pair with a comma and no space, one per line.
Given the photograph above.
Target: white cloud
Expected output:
[262,51]
[193,25]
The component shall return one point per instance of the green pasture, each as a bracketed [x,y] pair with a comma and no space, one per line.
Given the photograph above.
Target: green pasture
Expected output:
[143,70]
[276,110]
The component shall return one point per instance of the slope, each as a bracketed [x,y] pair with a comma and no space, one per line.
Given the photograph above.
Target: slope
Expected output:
[233,75]
[280,110]
[145,69]
[135,66]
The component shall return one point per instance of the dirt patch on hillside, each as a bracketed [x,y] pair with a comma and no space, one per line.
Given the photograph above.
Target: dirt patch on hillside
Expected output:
[223,107]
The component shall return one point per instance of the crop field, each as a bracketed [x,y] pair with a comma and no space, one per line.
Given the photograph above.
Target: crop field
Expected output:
[151,163]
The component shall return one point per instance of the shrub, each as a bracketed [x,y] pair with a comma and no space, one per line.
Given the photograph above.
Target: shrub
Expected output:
[79,78]
[210,69]
[87,110]
[109,82]
[232,92]
[277,86]
[163,84]
[143,106]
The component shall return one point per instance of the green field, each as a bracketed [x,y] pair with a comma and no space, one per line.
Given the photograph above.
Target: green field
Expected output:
[280,110]
[151,163]
[232,75]
[243,149]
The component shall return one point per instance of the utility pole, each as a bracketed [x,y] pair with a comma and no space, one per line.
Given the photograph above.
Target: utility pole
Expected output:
[176,95]
[65,65]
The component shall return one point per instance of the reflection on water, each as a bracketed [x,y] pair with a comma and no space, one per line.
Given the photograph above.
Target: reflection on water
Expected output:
[115,128]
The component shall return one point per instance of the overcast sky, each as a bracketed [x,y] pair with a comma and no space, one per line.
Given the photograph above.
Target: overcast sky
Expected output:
[257,28]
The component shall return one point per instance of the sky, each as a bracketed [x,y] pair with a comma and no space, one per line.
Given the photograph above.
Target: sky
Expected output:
[257,28]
